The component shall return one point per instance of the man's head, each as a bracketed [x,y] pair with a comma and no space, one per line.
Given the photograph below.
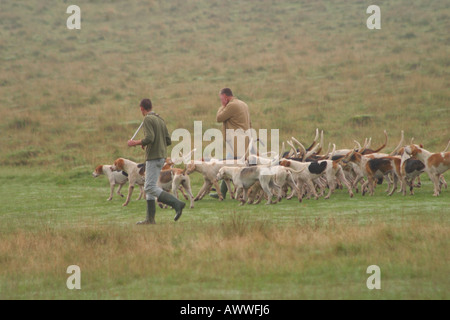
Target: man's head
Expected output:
[146,106]
[225,96]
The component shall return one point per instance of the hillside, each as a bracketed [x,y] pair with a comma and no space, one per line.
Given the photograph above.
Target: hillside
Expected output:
[69,98]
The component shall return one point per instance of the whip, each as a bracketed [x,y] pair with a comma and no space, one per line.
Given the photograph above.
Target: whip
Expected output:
[137,131]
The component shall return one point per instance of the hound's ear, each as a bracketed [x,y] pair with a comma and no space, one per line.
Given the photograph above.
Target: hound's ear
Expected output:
[99,169]
[285,163]
[421,145]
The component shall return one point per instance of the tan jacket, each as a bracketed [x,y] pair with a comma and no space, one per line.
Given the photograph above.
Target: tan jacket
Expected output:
[235,115]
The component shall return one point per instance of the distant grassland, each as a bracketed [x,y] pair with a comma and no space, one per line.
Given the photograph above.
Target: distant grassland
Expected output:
[70,97]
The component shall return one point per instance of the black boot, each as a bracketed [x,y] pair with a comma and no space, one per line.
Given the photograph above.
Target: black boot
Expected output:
[223,190]
[170,200]
[151,211]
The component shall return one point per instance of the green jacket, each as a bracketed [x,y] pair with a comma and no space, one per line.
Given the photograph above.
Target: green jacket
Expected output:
[157,137]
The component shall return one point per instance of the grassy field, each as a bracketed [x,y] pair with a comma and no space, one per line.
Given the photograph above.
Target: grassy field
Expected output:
[218,250]
[69,101]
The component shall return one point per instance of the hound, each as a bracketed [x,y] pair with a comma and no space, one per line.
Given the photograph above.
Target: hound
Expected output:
[135,176]
[209,171]
[245,177]
[114,178]
[374,169]
[411,169]
[328,168]
[168,164]
[282,178]
[435,164]
[175,179]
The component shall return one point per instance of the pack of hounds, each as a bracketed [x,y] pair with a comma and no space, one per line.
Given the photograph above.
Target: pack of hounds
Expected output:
[301,172]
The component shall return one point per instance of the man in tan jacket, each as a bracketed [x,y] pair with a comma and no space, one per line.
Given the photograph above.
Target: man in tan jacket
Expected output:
[233,114]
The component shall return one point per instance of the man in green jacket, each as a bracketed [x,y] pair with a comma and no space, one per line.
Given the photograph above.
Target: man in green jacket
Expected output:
[155,142]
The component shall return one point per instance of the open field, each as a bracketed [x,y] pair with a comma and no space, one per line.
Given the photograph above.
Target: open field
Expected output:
[314,250]
[69,101]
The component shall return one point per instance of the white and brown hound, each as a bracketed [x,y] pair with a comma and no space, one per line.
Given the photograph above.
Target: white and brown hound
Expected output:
[135,176]
[114,177]
[435,164]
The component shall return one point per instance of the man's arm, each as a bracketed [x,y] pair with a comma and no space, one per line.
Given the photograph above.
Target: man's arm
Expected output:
[225,112]
[149,135]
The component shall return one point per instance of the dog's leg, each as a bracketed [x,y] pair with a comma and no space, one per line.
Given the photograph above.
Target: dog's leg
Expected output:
[419,183]
[312,188]
[357,179]
[280,194]
[230,190]
[120,188]
[435,178]
[395,185]
[442,182]
[112,185]
[341,177]
[411,186]
[191,197]
[389,182]
[130,192]
[207,190]
[238,193]
[141,192]
[259,196]
[331,184]
[216,185]
[404,184]
[267,192]
[244,197]
[295,190]
[365,184]
[182,192]
[265,185]
[202,190]
[186,184]
[290,196]
[175,185]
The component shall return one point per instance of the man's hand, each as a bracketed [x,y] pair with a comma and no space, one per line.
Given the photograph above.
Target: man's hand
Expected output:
[224,100]
[133,143]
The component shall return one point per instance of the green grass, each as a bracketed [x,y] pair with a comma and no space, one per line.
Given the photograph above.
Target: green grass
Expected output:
[318,249]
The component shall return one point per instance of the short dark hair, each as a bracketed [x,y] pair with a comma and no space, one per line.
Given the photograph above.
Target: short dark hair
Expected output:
[227,92]
[146,104]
